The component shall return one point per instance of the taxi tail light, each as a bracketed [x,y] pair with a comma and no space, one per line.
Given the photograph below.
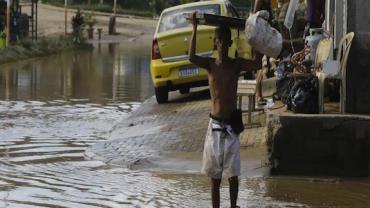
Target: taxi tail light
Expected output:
[156,54]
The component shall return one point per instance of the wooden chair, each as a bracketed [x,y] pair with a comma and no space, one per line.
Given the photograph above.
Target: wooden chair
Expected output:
[335,69]
[248,88]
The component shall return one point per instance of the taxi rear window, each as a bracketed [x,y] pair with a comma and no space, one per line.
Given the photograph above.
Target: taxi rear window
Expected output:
[175,19]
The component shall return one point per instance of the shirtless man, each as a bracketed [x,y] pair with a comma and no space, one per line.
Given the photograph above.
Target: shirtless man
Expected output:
[222,148]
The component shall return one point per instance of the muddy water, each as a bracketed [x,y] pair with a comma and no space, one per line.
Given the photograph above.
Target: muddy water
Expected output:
[52,109]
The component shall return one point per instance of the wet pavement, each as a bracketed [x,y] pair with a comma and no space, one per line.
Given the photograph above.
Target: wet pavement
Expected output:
[56,110]
[153,133]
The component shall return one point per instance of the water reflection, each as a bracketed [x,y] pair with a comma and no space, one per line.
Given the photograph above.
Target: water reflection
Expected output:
[317,192]
[109,73]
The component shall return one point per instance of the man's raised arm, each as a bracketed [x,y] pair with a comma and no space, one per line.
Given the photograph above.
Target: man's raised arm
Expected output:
[195,59]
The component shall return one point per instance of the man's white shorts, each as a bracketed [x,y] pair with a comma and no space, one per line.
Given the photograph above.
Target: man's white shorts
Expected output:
[221,153]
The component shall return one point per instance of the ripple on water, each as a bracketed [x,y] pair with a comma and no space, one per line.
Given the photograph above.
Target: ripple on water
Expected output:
[42,164]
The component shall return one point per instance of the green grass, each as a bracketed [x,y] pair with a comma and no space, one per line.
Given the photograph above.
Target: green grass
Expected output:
[108,9]
[45,46]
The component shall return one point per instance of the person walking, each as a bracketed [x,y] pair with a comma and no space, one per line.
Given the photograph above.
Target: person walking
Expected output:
[266,69]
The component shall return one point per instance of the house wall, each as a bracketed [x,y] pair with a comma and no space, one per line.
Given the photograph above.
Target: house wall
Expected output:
[340,29]
[358,74]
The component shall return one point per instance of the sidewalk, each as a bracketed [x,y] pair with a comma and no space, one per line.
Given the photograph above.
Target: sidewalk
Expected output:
[153,132]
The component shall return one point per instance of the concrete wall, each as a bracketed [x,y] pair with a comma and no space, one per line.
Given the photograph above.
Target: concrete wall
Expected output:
[319,145]
[341,17]
[358,76]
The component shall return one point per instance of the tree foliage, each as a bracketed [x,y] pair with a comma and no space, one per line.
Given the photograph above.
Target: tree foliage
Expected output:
[159,5]
[155,6]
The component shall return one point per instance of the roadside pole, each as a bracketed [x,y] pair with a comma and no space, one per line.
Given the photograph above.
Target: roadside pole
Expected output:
[112,20]
[8,2]
[65,17]
[114,14]
[115,8]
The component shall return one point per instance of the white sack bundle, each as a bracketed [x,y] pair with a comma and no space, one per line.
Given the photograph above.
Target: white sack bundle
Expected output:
[261,36]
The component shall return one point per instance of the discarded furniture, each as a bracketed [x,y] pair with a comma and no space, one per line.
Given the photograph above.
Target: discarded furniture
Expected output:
[335,69]
[324,52]
[248,88]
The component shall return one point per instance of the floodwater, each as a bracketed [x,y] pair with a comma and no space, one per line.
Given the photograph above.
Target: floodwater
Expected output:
[52,109]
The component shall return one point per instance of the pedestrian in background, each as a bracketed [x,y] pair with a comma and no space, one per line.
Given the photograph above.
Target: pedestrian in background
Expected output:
[266,66]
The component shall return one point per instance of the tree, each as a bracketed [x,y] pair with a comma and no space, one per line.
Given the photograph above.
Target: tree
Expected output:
[241,3]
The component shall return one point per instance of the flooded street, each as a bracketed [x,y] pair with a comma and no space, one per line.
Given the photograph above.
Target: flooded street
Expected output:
[52,109]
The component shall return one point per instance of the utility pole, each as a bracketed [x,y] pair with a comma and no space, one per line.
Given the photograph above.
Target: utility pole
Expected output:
[8,22]
[37,19]
[65,17]
[115,7]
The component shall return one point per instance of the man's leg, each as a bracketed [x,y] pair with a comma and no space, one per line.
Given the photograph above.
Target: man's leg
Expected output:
[234,189]
[259,79]
[216,192]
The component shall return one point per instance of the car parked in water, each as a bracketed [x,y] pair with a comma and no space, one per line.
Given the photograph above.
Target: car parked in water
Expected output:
[170,66]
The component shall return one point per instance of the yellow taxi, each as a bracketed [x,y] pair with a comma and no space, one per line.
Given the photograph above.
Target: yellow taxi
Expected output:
[170,66]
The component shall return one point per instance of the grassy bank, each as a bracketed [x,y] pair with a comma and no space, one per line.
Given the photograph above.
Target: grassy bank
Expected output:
[27,48]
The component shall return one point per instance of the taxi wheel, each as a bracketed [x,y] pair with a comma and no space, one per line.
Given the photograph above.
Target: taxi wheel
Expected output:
[184,91]
[161,94]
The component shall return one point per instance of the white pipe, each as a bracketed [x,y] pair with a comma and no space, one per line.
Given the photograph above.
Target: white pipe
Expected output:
[115,7]
[8,22]
[65,17]
[345,13]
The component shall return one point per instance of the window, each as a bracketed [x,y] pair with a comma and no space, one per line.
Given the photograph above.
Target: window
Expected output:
[175,19]
[232,11]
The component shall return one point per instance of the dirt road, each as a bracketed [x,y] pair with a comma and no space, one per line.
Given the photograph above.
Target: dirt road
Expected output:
[51,21]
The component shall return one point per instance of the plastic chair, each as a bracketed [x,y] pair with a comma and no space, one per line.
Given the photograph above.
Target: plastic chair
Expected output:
[324,52]
[336,69]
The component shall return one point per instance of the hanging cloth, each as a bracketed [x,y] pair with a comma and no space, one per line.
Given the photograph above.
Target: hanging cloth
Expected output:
[315,12]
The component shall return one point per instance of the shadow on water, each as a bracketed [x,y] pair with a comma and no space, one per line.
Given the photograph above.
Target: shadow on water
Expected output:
[196,95]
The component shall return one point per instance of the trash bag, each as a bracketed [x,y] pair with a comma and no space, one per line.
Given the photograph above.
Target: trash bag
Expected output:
[261,36]
[284,67]
[284,84]
[283,89]
[304,96]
